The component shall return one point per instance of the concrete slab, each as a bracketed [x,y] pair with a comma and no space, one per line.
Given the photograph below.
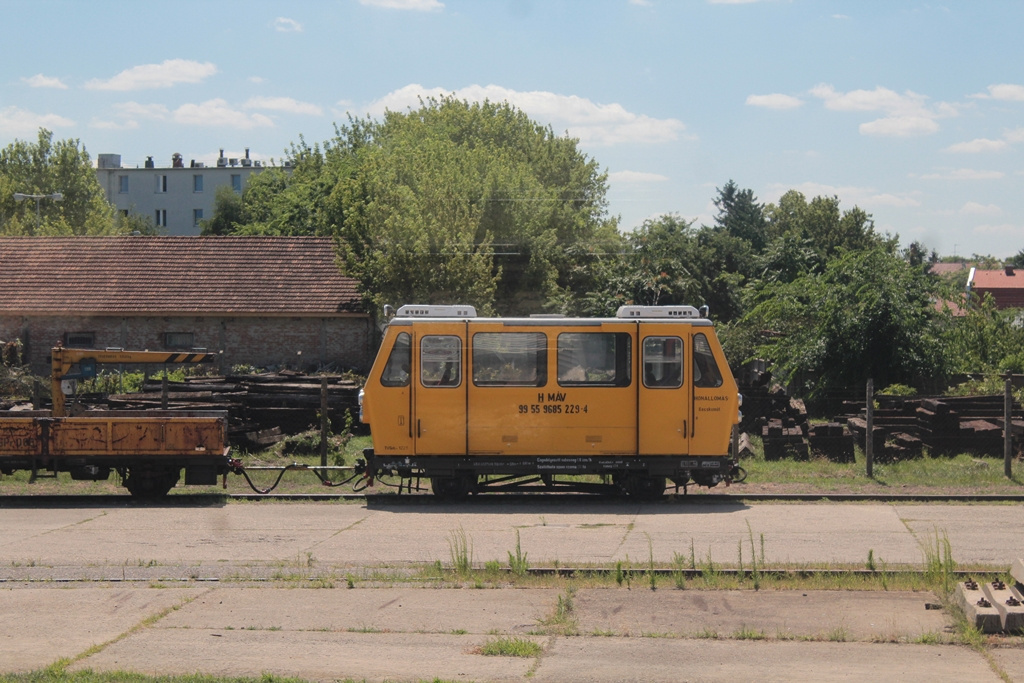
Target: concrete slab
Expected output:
[594,660]
[408,610]
[1010,660]
[988,534]
[824,615]
[315,656]
[40,625]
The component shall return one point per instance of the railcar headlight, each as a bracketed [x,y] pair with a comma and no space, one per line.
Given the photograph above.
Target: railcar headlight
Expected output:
[362,394]
[739,396]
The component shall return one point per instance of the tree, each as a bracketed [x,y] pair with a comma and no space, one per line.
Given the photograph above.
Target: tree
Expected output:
[741,216]
[452,202]
[868,314]
[47,167]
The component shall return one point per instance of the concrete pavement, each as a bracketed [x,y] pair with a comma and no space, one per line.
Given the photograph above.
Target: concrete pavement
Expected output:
[246,589]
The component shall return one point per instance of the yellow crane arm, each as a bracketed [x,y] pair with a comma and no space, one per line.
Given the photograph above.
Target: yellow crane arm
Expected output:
[62,359]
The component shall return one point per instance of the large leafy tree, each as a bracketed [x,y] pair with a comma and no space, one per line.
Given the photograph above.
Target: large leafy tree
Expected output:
[867,314]
[453,201]
[46,167]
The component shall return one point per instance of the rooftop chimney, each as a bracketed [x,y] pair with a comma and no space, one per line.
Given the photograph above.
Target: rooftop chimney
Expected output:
[1008,269]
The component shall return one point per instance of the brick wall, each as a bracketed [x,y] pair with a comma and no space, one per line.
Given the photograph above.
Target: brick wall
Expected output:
[344,343]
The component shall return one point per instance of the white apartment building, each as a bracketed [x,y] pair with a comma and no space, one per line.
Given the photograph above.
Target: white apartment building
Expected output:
[177,197]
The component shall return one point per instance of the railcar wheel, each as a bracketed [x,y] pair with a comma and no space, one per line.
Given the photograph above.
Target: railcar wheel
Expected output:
[149,481]
[452,488]
[645,487]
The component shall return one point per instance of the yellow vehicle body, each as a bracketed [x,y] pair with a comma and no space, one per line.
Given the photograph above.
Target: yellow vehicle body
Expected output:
[641,397]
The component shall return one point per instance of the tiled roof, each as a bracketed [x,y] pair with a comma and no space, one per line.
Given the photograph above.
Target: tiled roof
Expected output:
[1006,286]
[173,275]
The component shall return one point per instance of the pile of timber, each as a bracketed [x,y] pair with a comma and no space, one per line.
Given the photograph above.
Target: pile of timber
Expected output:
[946,425]
[262,409]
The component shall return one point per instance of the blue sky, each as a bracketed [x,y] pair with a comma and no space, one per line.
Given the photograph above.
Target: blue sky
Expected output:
[911,110]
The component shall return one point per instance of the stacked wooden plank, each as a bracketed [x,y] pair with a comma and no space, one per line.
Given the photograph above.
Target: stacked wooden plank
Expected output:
[262,408]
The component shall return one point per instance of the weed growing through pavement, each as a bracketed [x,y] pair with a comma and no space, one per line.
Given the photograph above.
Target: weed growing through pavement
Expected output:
[460,551]
[517,563]
[510,647]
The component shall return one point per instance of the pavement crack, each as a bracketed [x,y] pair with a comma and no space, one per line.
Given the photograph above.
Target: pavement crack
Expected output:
[145,623]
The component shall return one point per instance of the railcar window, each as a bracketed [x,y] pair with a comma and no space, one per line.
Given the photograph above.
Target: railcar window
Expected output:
[705,367]
[440,361]
[594,359]
[510,359]
[396,371]
[663,362]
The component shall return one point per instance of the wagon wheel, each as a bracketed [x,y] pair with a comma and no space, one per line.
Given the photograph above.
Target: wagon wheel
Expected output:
[151,481]
[644,487]
[452,488]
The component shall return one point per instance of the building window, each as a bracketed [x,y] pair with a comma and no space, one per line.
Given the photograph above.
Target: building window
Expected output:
[179,340]
[124,212]
[197,183]
[122,184]
[197,216]
[236,182]
[161,218]
[79,340]
[161,184]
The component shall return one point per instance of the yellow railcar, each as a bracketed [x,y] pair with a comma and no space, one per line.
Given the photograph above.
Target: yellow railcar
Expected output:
[477,404]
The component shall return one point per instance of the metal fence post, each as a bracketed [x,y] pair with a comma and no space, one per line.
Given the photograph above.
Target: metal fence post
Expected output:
[1008,427]
[324,422]
[869,439]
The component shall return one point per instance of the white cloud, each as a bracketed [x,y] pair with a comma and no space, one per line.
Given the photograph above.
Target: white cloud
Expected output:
[41,81]
[216,112]
[907,114]
[976,209]
[976,146]
[899,127]
[286,25]
[775,101]
[129,124]
[1002,229]
[415,5]
[156,112]
[164,75]
[964,174]
[641,3]
[637,177]
[1003,91]
[17,121]
[732,2]
[258,80]
[286,104]
[592,123]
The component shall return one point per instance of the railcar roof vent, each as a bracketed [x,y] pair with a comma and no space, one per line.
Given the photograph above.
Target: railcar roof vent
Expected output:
[657,312]
[414,311]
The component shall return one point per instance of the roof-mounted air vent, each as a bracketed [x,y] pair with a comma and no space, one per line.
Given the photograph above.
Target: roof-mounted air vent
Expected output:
[657,312]
[413,311]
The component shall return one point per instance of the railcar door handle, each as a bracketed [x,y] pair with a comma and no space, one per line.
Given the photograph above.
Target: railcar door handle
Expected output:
[418,430]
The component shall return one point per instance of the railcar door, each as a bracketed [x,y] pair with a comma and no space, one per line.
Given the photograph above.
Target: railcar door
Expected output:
[439,389]
[664,414]
[715,397]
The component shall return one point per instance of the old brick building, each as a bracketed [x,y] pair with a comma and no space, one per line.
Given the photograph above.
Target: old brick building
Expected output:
[261,301]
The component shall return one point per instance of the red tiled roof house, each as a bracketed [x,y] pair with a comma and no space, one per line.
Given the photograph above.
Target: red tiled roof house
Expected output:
[1006,286]
[261,301]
